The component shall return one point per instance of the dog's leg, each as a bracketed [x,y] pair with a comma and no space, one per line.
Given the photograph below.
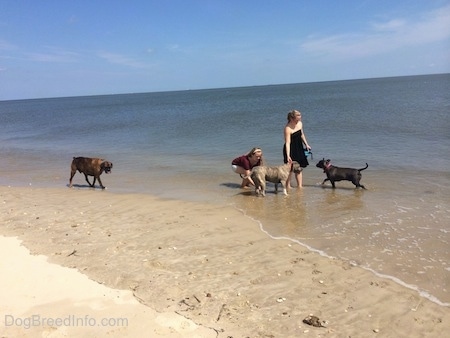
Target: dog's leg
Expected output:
[87,180]
[359,185]
[100,182]
[325,180]
[72,174]
[257,185]
[263,188]
[356,181]
[284,184]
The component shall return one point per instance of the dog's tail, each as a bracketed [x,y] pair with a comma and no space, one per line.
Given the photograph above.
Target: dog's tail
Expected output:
[364,168]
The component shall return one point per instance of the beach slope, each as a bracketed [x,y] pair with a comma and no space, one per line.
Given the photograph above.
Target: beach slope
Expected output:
[181,269]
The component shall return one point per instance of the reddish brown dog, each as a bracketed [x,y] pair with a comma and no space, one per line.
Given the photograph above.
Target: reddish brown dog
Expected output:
[90,167]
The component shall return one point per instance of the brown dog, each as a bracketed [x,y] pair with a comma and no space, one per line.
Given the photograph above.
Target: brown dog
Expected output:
[90,167]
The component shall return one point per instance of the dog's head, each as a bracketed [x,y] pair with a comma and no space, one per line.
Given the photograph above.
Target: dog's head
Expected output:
[323,163]
[106,166]
[295,167]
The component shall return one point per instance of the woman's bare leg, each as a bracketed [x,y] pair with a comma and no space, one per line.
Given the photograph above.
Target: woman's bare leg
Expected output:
[247,180]
[299,178]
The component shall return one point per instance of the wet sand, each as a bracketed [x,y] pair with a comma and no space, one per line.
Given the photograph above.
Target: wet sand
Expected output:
[182,269]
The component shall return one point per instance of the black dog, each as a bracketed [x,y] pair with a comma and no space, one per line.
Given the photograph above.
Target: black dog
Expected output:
[335,174]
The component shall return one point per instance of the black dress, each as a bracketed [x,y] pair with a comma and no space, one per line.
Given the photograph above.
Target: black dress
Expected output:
[297,150]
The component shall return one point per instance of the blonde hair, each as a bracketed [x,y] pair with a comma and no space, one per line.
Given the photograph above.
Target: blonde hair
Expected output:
[291,114]
[255,150]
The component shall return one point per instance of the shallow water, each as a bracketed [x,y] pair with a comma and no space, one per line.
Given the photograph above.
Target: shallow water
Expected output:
[180,145]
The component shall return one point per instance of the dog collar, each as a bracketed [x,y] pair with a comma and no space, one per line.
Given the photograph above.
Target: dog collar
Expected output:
[327,167]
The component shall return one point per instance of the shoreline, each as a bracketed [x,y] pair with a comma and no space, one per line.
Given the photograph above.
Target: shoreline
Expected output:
[212,265]
[400,282]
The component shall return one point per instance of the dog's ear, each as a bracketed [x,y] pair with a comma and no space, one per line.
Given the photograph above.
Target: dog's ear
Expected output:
[328,161]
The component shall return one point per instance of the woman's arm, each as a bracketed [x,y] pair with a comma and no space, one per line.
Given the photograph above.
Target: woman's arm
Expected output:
[305,142]
[287,143]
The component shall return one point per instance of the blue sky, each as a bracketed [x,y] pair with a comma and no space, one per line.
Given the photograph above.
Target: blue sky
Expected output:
[53,48]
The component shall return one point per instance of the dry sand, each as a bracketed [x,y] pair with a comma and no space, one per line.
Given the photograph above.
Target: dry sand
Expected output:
[40,299]
[195,270]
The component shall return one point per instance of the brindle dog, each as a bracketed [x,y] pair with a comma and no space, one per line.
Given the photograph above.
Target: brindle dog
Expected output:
[90,167]
[279,174]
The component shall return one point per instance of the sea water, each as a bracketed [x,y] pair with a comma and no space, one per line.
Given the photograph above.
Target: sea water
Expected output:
[180,145]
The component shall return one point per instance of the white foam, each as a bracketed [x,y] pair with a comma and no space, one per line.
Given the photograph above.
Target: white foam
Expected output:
[421,292]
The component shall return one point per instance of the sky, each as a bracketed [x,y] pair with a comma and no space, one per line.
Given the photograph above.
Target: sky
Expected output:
[56,48]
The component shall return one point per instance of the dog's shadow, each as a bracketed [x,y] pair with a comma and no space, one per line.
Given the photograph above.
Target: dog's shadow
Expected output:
[245,192]
[84,186]
[250,191]
[231,185]
[330,187]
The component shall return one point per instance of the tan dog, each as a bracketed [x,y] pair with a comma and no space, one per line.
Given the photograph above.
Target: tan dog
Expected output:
[90,167]
[279,174]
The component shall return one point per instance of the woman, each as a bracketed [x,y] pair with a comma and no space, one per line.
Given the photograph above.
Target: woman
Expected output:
[293,150]
[243,165]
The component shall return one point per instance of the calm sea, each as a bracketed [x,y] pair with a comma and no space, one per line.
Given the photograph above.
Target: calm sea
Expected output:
[180,145]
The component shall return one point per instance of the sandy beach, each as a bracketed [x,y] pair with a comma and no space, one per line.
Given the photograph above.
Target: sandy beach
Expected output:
[169,268]
[43,299]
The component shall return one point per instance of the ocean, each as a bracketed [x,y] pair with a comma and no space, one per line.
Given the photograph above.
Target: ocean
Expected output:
[179,145]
